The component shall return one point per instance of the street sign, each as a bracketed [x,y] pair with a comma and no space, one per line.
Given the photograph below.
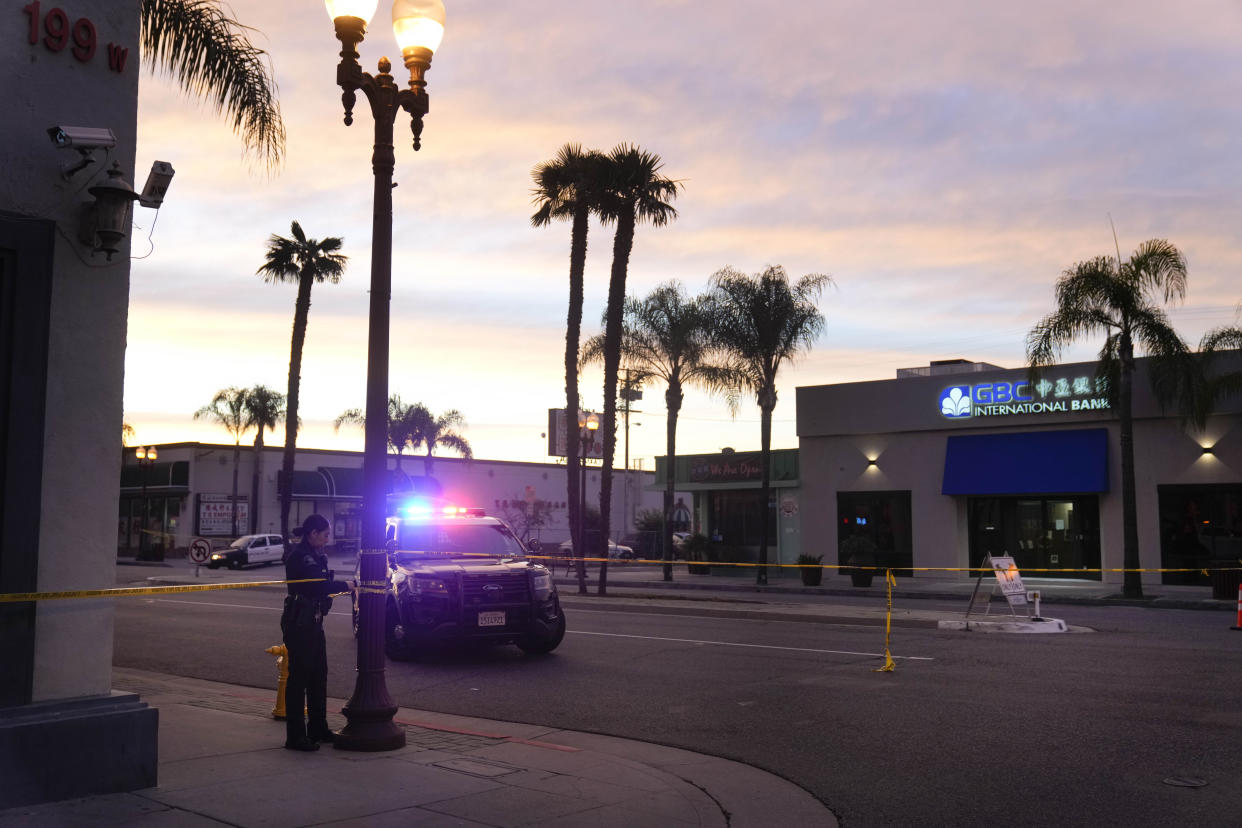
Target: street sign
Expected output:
[200,550]
[1009,580]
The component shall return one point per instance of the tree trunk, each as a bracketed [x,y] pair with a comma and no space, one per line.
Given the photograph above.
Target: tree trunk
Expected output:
[1132,579]
[301,310]
[236,463]
[767,402]
[256,482]
[573,335]
[622,245]
[673,397]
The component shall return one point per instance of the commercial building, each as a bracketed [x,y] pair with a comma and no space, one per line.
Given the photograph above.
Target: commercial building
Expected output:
[957,460]
[188,492]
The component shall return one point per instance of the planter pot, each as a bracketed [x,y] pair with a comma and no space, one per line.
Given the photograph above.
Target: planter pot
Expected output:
[812,577]
[861,579]
[699,569]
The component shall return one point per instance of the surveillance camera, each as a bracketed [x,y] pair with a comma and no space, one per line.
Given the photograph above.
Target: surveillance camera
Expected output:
[82,138]
[157,184]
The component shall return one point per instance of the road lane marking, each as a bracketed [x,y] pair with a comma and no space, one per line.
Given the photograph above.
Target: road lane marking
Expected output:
[754,646]
[682,615]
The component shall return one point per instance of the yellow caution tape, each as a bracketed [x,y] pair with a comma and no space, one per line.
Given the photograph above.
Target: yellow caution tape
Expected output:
[125,592]
[889,665]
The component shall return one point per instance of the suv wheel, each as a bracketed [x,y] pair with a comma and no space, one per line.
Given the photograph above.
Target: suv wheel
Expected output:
[395,645]
[539,646]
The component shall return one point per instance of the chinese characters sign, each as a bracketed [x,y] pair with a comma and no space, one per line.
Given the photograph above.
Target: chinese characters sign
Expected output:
[1045,396]
[215,515]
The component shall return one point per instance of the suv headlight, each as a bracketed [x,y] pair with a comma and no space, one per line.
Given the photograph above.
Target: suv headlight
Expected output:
[429,586]
[542,584]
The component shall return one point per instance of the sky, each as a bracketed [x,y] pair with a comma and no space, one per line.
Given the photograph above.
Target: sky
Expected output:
[943,162]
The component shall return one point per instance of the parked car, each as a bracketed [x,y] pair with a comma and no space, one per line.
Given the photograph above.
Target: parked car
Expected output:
[249,550]
[614,551]
[463,578]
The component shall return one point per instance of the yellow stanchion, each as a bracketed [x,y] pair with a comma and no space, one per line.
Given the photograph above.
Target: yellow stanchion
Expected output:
[889,664]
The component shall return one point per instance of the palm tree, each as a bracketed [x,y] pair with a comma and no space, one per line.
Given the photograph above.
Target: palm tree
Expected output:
[264,408]
[635,191]
[763,321]
[400,432]
[228,408]
[669,337]
[1217,386]
[430,431]
[305,261]
[127,434]
[1122,301]
[568,187]
[211,56]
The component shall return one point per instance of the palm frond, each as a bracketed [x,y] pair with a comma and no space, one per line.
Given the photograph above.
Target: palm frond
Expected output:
[211,56]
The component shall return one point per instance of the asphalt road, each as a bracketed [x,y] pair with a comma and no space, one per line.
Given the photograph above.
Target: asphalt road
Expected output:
[1080,729]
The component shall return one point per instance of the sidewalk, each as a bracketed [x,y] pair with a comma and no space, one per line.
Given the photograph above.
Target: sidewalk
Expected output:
[221,763]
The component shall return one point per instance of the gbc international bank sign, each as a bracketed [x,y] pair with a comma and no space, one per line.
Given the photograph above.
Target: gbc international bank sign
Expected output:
[1003,399]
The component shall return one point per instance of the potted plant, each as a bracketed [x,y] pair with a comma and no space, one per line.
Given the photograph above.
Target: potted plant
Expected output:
[811,568]
[859,551]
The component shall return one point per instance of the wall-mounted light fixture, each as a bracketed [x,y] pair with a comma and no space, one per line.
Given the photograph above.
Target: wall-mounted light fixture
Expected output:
[1209,450]
[106,222]
[871,461]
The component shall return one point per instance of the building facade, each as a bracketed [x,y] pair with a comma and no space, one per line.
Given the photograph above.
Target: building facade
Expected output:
[726,506]
[188,492]
[63,315]
[949,463]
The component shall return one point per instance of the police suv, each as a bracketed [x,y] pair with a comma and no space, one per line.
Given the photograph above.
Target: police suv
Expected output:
[457,576]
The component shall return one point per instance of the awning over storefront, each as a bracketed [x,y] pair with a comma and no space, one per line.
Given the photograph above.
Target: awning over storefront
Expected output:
[338,483]
[1034,462]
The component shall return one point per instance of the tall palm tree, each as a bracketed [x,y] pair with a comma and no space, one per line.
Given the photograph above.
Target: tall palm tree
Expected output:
[305,261]
[1122,301]
[668,336]
[264,409]
[228,408]
[432,432]
[635,192]
[569,187]
[762,322]
[400,430]
[211,56]
[127,434]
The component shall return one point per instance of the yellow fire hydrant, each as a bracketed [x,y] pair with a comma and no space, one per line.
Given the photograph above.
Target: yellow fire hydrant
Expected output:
[282,671]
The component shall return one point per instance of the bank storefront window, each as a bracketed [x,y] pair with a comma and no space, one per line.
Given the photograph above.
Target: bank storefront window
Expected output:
[884,517]
[1060,534]
[1198,526]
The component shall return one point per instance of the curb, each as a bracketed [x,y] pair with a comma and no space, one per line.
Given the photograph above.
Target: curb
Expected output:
[1035,626]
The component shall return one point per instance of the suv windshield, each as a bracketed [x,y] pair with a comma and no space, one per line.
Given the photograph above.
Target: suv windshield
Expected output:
[457,540]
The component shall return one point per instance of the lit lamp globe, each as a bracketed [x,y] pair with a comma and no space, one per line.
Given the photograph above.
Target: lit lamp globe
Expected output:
[418,26]
[363,10]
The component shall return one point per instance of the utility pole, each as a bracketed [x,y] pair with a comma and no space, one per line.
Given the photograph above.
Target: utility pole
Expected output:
[631,391]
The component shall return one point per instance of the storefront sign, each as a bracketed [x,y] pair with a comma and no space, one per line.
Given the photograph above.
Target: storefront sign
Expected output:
[730,468]
[215,514]
[1045,396]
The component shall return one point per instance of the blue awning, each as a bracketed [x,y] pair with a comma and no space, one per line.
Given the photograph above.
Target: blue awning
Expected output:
[1033,462]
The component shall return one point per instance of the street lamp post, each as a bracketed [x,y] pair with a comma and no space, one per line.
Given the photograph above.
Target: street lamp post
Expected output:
[146,457]
[418,26]
[588,424]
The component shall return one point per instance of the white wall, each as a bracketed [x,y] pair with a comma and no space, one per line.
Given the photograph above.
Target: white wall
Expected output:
[41,89]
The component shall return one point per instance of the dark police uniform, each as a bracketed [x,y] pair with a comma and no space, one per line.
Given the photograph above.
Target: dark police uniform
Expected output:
[301,624]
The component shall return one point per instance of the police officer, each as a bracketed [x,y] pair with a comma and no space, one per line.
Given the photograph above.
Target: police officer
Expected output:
[301,624]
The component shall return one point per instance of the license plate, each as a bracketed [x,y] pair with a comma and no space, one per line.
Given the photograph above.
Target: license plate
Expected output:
[492,619]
